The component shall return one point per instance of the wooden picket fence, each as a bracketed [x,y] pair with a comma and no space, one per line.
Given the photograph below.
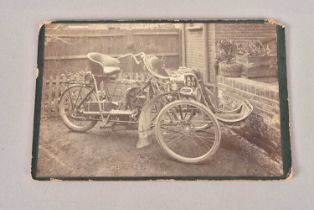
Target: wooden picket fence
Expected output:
[53,87]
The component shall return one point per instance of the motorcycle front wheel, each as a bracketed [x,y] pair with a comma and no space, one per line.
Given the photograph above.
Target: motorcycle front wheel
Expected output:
[178,131]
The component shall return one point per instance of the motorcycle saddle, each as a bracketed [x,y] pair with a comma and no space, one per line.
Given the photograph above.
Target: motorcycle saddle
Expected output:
[103,64]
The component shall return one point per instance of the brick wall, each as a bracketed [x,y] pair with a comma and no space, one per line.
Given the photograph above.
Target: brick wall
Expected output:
[245,31]
[194,48]
[263,126]
[211,39]
[194,41]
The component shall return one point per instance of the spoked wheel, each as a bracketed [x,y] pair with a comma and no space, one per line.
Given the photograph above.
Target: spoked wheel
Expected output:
[72,103]
[178,131]
[162,101]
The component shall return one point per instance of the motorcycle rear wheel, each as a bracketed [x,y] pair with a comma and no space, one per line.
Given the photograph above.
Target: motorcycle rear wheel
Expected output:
[72,115]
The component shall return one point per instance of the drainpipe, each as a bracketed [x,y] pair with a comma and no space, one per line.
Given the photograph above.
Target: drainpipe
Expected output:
[205,53]
[212,58]
[183,46]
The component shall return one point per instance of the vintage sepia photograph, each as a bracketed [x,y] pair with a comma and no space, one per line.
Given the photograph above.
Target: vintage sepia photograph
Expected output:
[161,100]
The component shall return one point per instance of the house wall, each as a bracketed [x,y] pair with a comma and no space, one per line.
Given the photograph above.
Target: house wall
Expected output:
[194,47]
[262,128]
[245,31]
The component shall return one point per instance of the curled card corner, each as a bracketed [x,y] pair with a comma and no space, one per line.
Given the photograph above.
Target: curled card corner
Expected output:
[274,22]
[43,23]
[290,174]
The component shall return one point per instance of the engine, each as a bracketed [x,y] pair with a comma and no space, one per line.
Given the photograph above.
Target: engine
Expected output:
[93,106]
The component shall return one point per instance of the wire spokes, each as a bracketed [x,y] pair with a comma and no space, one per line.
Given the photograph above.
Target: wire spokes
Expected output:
[187,131]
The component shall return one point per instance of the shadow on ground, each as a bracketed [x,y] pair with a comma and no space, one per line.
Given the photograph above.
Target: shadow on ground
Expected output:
[101,153]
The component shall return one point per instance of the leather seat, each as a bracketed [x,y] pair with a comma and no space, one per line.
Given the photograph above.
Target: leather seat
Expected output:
[111,70]
[102,64]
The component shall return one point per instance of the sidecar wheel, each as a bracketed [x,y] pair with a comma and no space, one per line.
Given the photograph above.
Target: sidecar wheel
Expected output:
[76,94]
[177,131]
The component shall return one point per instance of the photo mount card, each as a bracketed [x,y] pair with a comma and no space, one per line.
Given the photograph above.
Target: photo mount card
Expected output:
[147,100]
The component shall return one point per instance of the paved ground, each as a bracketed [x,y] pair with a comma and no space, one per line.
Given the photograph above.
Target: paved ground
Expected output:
[104,153]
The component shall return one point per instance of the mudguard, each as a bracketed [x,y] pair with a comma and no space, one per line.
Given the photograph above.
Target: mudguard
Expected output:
[236,115]
[146,122]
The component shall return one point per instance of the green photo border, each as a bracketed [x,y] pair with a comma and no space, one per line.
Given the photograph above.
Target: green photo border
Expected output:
[283,94]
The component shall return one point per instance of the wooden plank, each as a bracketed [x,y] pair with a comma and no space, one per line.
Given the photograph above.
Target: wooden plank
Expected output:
[119,75]
[74,57]
[129,75]
[56,95]
[62,84]
[44,90]
[50,94]
[124,75]
[195,28]
[101,87]
[142,77]
[156,33]
[45,95]
[82,35]
[71,51]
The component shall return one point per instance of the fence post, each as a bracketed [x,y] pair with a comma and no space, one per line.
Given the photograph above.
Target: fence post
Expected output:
[50,81]
[62,83]
[56,96]
[137,77]
[119,75]
[142,77]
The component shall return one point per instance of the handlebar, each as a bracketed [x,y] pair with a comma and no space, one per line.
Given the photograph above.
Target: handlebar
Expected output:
[134,56]
[149,68]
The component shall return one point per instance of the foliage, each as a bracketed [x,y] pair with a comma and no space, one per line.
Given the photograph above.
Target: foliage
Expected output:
[227,49]
[253,48]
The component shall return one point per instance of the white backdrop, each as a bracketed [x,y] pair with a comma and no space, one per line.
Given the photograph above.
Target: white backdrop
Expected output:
[20,22]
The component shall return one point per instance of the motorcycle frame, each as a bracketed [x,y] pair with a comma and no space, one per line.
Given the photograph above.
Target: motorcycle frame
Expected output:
[153,88]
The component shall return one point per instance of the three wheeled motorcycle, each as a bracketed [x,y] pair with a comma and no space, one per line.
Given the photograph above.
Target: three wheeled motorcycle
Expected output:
[177,107]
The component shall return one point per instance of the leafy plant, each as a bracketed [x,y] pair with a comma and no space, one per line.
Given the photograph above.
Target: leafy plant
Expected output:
[226,50]
[253,48]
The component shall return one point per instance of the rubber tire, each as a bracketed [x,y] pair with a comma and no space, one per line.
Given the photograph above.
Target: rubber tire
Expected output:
[180,158]
[66,120]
